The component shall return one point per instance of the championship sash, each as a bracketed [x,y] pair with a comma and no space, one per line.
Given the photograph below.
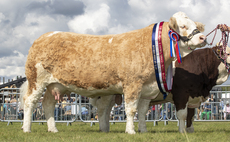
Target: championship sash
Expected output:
[158,60]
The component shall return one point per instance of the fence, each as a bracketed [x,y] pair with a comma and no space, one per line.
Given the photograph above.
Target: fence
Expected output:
[78,108]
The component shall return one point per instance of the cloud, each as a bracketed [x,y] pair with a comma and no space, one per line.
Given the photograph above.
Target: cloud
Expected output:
[59,7]
[92,22]
[12,66]
[22,22]
[2,17]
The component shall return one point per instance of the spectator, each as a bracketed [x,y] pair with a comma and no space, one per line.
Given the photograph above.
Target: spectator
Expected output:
[221,108]
[84,113]
[6,109]
[169,110]
[39,110]
[158,111]
[96,116]
[163,111]
[117,112]
[221,104]
[214,106]
[68,110]
[34,113]
[64,104]
[153,112]
[73,107]
[207,110]
[201,109]
[68,106]
[198,112]
[20,114]
[13,105]
[56,110]
[148,114]
[226,111]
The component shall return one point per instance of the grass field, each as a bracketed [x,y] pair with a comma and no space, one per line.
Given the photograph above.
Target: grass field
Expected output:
[80,132]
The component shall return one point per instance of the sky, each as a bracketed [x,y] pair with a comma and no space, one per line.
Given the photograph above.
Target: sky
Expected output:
[23,21]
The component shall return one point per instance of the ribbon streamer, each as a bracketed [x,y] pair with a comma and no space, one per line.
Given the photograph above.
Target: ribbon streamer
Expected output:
[158,60]
[174,37]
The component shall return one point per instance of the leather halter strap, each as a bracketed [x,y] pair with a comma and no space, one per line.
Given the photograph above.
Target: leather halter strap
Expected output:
[187,38]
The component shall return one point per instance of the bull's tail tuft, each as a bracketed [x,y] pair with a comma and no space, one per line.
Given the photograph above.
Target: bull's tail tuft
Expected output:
[23,91]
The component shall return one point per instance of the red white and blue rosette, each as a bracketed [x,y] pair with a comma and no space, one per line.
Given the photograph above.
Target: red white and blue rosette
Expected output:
[174,37]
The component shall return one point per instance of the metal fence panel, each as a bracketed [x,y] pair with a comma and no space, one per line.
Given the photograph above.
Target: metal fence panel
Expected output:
[79,109]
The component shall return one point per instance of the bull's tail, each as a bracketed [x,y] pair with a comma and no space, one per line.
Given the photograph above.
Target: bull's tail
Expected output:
[23,91]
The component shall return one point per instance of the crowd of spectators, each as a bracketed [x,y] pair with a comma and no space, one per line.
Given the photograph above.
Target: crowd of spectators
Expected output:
[214,109]
[64,110]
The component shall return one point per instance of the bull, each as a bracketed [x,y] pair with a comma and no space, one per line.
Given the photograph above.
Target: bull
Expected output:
[93,66]
[193,79]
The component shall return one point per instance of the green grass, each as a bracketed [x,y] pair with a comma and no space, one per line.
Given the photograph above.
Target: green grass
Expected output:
[79,132]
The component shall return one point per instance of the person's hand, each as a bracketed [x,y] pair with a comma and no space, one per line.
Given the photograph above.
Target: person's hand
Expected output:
[223,27]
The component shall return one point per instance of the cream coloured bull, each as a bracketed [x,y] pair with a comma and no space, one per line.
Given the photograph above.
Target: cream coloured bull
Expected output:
[94,66]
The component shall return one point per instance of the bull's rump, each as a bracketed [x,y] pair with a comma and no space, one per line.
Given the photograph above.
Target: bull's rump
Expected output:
[92,61]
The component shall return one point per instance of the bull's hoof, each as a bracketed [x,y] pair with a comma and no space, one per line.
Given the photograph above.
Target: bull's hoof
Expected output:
[22,128]
[182,130]
[54,130]
[101,130]
[26,131]
[190,129]
[130,131]
[142,130]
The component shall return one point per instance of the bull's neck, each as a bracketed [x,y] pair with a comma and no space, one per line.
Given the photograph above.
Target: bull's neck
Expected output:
[184,52]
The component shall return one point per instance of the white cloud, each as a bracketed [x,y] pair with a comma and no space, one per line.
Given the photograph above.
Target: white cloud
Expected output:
[13,66]
[2,16]
[141,4]
[43,24]
[91,21]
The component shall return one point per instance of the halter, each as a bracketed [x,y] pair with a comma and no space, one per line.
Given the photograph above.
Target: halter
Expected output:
[187,38]
[223,41]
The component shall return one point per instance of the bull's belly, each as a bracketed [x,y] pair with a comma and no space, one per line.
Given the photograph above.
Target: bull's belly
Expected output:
[92,92]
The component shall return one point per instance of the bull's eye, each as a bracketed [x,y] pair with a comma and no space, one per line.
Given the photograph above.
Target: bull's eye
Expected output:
[183,27]
[228,54]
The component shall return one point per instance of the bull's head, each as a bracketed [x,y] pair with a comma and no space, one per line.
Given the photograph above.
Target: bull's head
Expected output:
[189,31]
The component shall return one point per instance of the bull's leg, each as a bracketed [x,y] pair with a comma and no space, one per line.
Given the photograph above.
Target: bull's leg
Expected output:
[104,105]
[28,109]
[30,102]
[182,115]
[49,106]
[190,118]
[132,96]
[142,110]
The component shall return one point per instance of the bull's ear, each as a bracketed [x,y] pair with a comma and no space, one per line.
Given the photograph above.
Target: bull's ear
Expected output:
[200,26]
[173,23]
